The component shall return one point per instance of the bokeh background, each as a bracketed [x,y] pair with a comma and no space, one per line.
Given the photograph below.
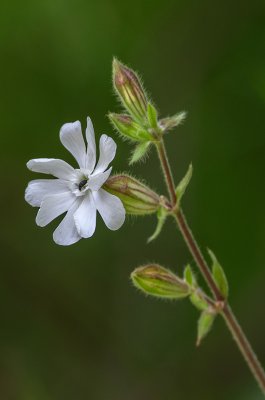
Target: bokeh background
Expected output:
[72,327]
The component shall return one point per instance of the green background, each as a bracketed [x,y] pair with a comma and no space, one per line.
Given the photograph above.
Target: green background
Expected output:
[72,327]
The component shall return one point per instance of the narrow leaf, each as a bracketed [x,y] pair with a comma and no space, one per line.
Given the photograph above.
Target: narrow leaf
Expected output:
[169,123]
[161,218]
[181,188]
[219,275]
[139,152]
[198,301]
[205,324]
[189,276]
[152,115]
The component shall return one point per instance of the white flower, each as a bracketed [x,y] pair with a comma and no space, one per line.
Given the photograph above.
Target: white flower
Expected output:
[78,191]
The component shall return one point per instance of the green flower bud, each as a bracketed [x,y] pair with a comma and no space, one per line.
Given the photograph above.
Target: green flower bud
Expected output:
[137,198]
[130,90]
[159,282]
[126,126]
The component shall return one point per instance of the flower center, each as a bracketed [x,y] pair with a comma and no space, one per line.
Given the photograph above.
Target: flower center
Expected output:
[79,186]
[82,184]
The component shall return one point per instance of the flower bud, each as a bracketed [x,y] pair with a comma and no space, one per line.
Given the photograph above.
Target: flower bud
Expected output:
[159,282]
[137,198]
[128,128]
[130,90]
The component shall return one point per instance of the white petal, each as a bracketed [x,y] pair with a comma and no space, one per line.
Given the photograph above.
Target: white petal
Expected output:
[96,181]
[107,148]
[66,232]
[91,146]
[39,188]
[85,217]
[72,139]
[53,206]
[52,166]
[110,208]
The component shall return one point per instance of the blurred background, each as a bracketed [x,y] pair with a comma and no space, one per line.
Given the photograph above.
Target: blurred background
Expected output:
[72,327]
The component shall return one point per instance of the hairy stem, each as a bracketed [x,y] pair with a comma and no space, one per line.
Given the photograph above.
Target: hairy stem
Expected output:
[196,253]
[244,346]
[161,150]
[227,313]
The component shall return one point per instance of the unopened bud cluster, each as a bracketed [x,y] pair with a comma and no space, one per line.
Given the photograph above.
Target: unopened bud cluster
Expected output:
[135,124]
[141,123]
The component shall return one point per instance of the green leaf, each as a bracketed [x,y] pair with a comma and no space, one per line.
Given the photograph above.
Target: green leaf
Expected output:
[169,123]
[161,218]
[198,301]
[152,115]
[189,276]
[205,324]
[181,188]
[219,275]
[139,152]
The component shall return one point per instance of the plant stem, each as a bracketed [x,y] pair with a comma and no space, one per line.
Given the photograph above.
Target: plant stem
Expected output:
[227,313]
[244,346]
[161,150]
[196,253]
